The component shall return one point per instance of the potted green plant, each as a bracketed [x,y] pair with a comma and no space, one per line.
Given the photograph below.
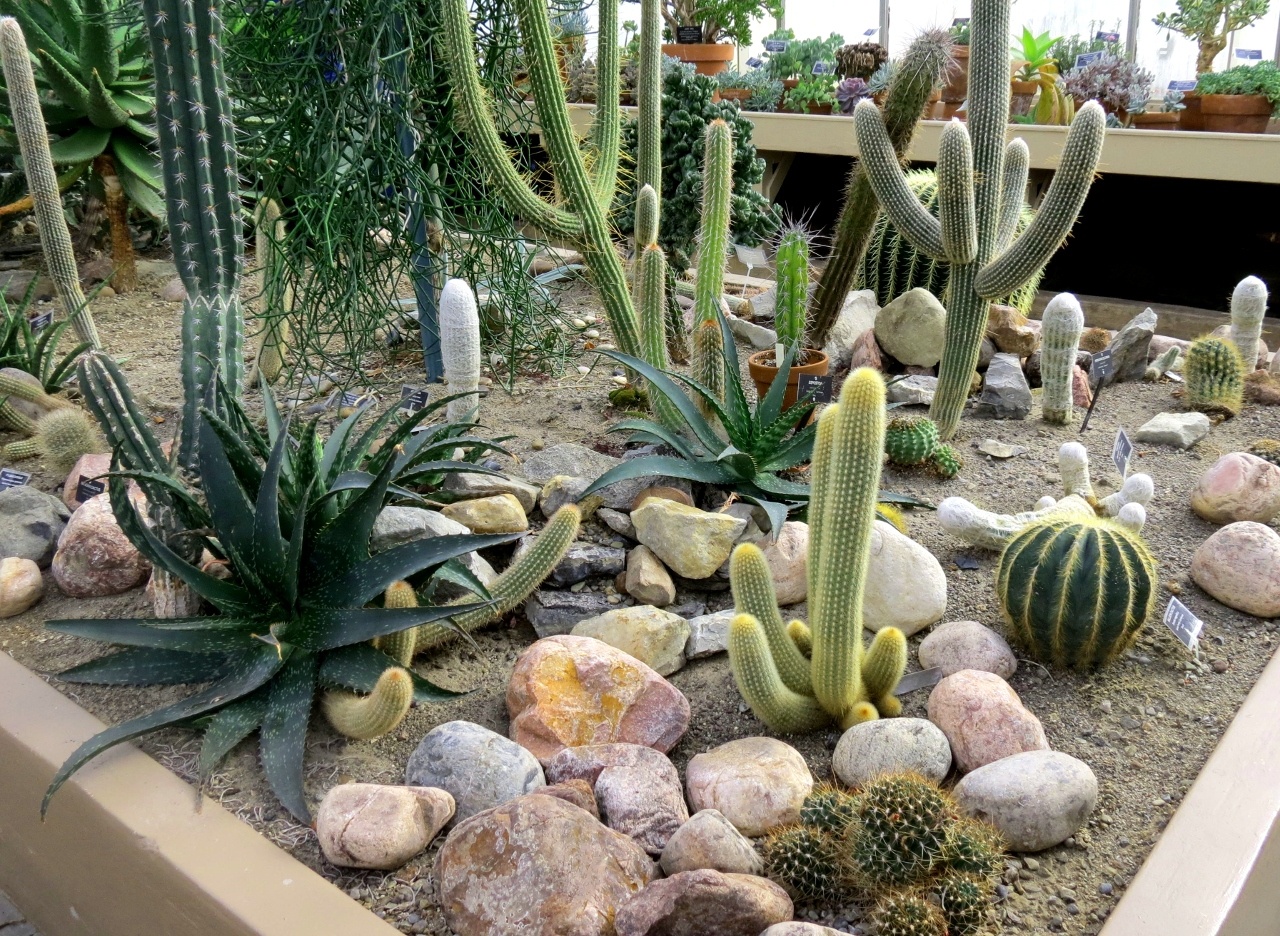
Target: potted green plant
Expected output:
[794,62]
[1241,99]
[706,31]
[751,90]
[956,88]
[1031,54]
[1166,118]
[569,38]
[1112,82]
[813,95]
[860,59]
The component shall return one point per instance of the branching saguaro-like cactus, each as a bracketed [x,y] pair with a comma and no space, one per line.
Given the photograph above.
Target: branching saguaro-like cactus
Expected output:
[1248,307]
[787,691]
[651,300]
[587,193]
[201,186]
[980,191]
[460,348]
[713,244]
[42,181]
[1063,323]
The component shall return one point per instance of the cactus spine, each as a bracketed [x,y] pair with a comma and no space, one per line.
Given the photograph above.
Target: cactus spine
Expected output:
[979,207]
[1076,591]
[651,300]
[42,181]
[908,913]
[1063,323]
[1214,375]
[713,244]
[791,264]
[1248,306]
[840,683]
[62,436]
[275,290]
[460,348]
[365,717]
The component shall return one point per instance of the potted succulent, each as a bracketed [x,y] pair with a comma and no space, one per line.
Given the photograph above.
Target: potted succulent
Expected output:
[849,92]
[878,83]
[956,89]
[1241,99]
[813,95]
[751,90]
[706,31]
[860,59]
[1031,55]
[1112,82]
[791,263]
[796,60]
[1166,118]
[569,38]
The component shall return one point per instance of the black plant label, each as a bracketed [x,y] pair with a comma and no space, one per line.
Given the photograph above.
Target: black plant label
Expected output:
[12,478]
[40,322]
[689,35]
[89,487]
[815,388]
[413,399]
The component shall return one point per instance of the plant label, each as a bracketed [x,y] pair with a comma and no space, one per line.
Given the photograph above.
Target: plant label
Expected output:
[40,322]
[350,398]
[89,487]
[775,45]
[750,256]
[815,388]
[872,31]
[1252,54]
[689,35]
[1121,453]
[1103,367]
[960,21]
[1185,625]
[413,399]
[1106,37]
[1086,58]
[755,62]
[12,478]
[823,68]
[1188,85]
[921,679]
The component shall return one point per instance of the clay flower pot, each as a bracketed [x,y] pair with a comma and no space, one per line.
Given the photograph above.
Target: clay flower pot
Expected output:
[957,87]
[707,58]
[1192,119]
[734,94]
[1235,113]
[1157,121]
[763,372]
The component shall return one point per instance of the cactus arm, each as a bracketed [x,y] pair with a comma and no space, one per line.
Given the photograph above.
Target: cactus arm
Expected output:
[607,126]
[1057,214]
[646,220]
[460,349]
[801,636]
[1137,489]
[11,418]
[882,667]
[1063,322]
[754,595]
[713,245]
[1248,306]
[1013,190]
[401,645]
[651,300]
[26,448]
[756,676]
[1133,517]
[649,102]
[988,530]
[884,172]
[365,717]
[1073,466]
[955,194]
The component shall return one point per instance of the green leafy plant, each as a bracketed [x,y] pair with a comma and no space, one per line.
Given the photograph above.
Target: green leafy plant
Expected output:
[720,19]
[1033,52]
[810,95]
[798,59]
[1066,49]
[765,91]
[959,34]
[35,353]
[1210,22]
[1262,78]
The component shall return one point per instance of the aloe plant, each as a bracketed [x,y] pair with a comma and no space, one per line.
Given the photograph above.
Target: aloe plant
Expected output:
[21,346]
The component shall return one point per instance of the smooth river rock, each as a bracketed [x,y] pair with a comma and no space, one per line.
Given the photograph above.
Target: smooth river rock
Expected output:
[1240,566]
[912,328]
[891,745]
[368,825]
[906,587]
[693,903]
[961,645]
[94,557]
[30,524]
[1238,486]
[478,767]
[1036,799]
[983,718]
[21,585]
[758,784]
[709,840]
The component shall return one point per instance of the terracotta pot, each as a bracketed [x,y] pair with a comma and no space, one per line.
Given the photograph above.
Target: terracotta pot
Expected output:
[763,372]
[957,87]
[1235,113]
[1022,93]
[790,83]
[735,94]
[1160,120]
[1192,119]
[707,58]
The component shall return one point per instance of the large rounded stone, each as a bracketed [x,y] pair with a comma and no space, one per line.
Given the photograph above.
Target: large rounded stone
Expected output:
[567,691]
[1240,566]
[906,587]
[1238,486]
[709,840]
[479,767]
[912,328]
[500,513]
[94,557]
[692,903]
[983,718]
[758,784]
[654,637]
[21,585]
[30,524]
[537,866]
[368,825]
[891,745]
[692,543]
[1037,798]
[961,645]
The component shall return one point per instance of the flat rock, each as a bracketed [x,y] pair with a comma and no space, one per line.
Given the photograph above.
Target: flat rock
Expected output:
[758,784]
[906,587]
[758,337]
[368,825]
[469,485]
[1129,348]
[567,691]
[983,718]
[692,543]
[1001,450]
[912,328]
[537,866]
[647,579]
[396,526]
[1238,486]
[581,561]
[891,745]
[30,524]
[1011,331]
[21,585]
[1239,565]
[94,557]
[637,789]
[500,513]
[692,903]
[708,634]
[478,767]
[788,559]
[1181,430]
[796,928]
[709,840]
[913,391]
[1036,799]
[848,333]
[617,521]
[1005,391]
[578,792]
[567,458]
[655,637]
[556,612]
[967,645]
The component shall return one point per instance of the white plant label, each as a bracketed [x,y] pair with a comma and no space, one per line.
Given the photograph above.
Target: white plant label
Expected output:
[750,256]
[1185,625]
[1121,453]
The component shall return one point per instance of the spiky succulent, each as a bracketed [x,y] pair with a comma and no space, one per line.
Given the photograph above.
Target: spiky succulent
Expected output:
[908,913]
[828,808]
[806,861]
[972,847]
[902,822]
[1214,375]
[965,901]
[946,462]
[21,346]
[910,440]
[1267,449]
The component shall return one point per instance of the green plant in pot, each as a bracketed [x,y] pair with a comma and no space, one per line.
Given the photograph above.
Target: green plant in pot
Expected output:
[720,25]
[1031,54]
[813,95]
[1241,99]
[956,87]
[795,63]
[791,263]
[752,90]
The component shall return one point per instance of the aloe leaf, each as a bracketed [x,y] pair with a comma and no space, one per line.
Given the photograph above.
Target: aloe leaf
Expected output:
[658,465]
[327,628]
[772,484]
[344,540]
[82,146]
[794,451]
[229,727]
[150,666]
[283,733]
[191,635]
[770,408]
[776,512]
[458,574]
[269,546]
[657,432]
[903,500]
[662,382]
[358,667]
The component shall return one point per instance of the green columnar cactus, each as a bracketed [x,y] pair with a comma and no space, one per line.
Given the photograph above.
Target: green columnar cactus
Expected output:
[1214,375]
[33,142]
[713,245]
[910,440]
[198,161]
[914,79]
[276,292]
[516,582]
[646,225]
[651,300]
[901,825]
[946,462]
[1076,591]
[828,808]
[791,265]
[649,104]
[908,913]
[806,861]
[786,691]
[979,206]
[401,645]
[1248,307]
[583,221]
[1063,323]
[61,436]
[460,349]
[365,717]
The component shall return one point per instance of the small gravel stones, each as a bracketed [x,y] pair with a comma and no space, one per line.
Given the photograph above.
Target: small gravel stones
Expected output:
[367,825]
[796,928]
[1240,566]
[891,745]
[983,718]
[655,637]
[1037,799]
[709,840]
[758,784]
[704,901]
[479,767]
[961,645]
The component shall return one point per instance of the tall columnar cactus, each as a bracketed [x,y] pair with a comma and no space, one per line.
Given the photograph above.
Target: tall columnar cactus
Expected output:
[587,194]
[713,245]
[1063,322]
[42,181]
[791,264]
[1214,375]
[201,186]
[651,300]
[980,191]
[1248,307]
[914,79]
[275,292]
[1076,591]
[460,348]
[371,716]
[785,690]
[649,105]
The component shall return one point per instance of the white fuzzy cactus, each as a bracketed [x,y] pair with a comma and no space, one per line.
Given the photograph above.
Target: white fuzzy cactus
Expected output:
[1163,364]
[1073,465]
[460,348]
[979,527]
[1063,322]
[1248,306]
[1132,517]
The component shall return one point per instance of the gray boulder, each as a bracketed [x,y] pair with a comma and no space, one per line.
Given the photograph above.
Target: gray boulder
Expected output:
[30,524]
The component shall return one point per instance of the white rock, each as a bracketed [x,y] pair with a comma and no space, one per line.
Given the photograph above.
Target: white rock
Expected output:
[856,316]
[367,825]
[916,390]
[891,745]
[912,328]
[1181,430]
[961,645]
[906,587]
[1240,566]
[1036,799]
[788,562]
[21,585]
[758,784]
[708,634]
[654,637]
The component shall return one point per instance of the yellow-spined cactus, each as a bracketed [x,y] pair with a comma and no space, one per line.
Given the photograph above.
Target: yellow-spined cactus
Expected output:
[365,717]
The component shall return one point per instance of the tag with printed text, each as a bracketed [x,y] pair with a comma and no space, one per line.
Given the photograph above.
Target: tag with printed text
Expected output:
[1122,453]
[12,478]
[1185,625]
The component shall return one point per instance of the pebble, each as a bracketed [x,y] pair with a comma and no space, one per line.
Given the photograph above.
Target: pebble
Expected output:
[368,825]
[905,587]
[655,637]
[94,557]
[1181,430]
[478,767]
[21,585]
[709,840]
[705,901]
[617,521]
[1106,889]
[891,745]
[961,645]
[758,784]
[912,328]
[470,484]
[30,524]
[708,634]
[692,543]
[1238,486]
[798,928]
[647,579]
[1239,565]
[500,513]
[1036,799]
[557,612]
[984,719]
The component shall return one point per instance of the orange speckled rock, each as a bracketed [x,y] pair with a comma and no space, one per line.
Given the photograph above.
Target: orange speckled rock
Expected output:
[568,691]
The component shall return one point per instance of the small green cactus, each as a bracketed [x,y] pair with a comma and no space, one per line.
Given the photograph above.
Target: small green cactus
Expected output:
[365,717]
[62,436]
[828,808]
[908,913]
[805,861]
[401,645]
[946,462]
[965,900]
[900,829]
[910,440]
[1267,449]
[1076,591]
[792,276]
[973,848]
[1214,376]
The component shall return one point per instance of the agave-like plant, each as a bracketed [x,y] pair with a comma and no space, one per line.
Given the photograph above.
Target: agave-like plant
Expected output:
[291,619]
[21,346]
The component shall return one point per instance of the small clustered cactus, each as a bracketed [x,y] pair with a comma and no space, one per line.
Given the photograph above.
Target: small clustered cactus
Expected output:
[1267,450]
[62,436]
[908,913]
[1214,376]
[912,441]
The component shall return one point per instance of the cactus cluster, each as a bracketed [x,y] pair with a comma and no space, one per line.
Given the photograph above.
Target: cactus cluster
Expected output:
[908,913]
[1248,308]
[1076,591]
[807,861]
[1267,450]
[373,715]
[829,808]
[911,441]
[1062,324]
[900,827]
[13,417]
[1214,376]
[62,436]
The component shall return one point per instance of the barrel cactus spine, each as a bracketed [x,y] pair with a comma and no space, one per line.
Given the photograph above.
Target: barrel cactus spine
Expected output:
[828,808]
[806,861]
[371,716]
[908,913]
[1063,323]
[897,836]
[1214,376]
[460,349]
[713,246]
[981,184]
[1267,450]
[1248,307]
